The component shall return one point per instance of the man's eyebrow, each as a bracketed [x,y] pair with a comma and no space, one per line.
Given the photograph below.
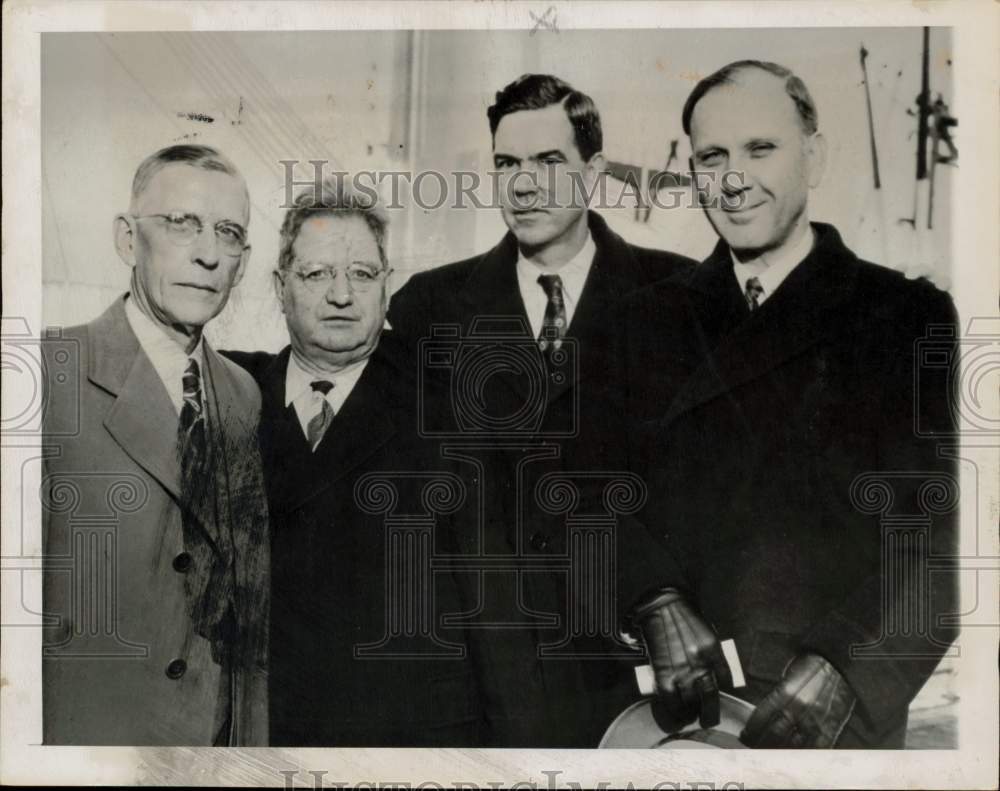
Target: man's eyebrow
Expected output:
[555,152]
[500,155]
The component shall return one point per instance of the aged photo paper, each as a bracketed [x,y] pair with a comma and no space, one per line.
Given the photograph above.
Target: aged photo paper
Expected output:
[455,491]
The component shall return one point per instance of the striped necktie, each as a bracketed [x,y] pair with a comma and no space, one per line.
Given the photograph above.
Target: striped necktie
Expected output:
[321,421]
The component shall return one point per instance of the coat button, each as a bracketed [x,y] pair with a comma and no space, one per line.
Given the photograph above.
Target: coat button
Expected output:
[176,669]
[539,541]
[182,562]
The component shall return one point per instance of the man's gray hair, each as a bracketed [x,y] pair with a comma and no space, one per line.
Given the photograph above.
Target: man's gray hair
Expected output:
[336,198]
[203,157]
[794,87]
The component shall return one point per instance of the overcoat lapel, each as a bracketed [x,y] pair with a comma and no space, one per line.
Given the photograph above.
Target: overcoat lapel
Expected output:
[607,284]
[493,295]
[808,307]
[368,419]
[142,406]
[491,301]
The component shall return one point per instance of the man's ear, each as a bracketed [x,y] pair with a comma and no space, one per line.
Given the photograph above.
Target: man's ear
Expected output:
[816,156]
[598,163]
[593,170]
[242,266]
[279,288]
[123,230]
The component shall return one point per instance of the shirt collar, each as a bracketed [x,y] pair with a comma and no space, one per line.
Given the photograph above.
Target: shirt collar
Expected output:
[168,358]
[298,381]
[772,268]
[573,273]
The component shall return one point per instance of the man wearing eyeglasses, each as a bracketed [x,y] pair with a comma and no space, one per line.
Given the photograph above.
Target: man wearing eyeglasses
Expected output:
[338,412]
[156,578]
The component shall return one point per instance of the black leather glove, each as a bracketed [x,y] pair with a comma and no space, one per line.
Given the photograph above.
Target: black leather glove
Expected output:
[808,708]
[687,659]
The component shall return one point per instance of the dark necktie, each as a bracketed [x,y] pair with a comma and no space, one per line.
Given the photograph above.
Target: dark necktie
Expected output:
[321,421]
[554,323]
[192,431]
[752,292]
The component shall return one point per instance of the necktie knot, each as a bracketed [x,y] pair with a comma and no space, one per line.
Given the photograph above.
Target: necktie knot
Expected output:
[321,421]
[752,292]
[552,286]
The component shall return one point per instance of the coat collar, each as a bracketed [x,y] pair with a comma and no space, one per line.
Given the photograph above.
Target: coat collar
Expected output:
[142,407]
[368,419]
[740,346]
[492,296]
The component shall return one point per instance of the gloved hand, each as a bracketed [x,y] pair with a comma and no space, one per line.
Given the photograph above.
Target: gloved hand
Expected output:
[808,708]
[687,659]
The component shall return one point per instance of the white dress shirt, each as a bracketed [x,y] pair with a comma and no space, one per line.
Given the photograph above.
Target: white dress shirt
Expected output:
[573,274]
[308,402]
[772,268]
[168,358]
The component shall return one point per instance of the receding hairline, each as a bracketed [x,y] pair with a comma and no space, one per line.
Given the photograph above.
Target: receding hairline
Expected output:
[734,74]
[197,157]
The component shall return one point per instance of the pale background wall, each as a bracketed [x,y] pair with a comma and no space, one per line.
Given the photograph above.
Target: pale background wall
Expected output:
[417,100]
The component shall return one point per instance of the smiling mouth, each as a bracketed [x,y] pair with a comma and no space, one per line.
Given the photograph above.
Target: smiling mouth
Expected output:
[199,287]
[741,209]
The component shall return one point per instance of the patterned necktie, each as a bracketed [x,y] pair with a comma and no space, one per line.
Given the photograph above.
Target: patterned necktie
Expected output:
[321,421]
[554,323]
[752,292]
[192,427]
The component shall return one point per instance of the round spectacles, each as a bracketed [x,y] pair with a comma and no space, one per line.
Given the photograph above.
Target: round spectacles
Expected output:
[183,228]
[361,276]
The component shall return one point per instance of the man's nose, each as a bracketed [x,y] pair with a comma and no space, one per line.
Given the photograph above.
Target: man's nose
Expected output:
[340,292]
[206,249]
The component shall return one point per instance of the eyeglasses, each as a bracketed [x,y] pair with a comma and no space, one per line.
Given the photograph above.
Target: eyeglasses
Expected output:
[183,229]
[362,276]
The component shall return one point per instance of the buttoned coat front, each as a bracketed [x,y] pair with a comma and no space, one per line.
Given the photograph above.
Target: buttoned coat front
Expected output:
[122,662]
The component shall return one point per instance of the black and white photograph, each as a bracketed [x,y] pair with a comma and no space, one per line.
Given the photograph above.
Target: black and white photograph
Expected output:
[539,395]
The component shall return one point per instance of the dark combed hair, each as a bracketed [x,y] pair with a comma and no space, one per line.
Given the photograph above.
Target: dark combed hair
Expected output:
[794,87]
[538,91]
[337,198]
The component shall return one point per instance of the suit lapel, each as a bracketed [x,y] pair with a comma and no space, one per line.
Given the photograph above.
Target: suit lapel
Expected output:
[739,346]
[610,279]
[142,419]
[492,305]
[366,421]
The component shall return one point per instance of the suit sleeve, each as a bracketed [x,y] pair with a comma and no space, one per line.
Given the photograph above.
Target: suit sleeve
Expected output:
[900,613]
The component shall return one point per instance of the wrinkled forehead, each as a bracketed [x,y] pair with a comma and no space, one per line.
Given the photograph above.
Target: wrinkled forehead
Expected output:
[755,104]
[336,238]
[185,188]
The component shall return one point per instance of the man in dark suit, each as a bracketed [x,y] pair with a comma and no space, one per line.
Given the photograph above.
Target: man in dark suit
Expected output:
[515,354]
[356,656]
[793,441]
[154,494]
